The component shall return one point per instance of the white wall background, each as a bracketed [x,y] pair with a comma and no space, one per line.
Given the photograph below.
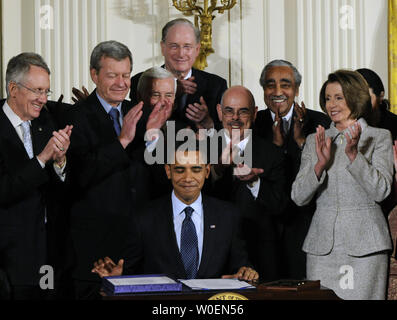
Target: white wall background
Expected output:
[317,36]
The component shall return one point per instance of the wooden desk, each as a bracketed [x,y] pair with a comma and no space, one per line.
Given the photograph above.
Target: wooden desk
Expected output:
[251,294]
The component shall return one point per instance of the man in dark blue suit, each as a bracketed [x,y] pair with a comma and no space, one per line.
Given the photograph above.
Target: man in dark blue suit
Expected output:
[286,124]
[107,183]
[32,174]
[198,91]
[218,250]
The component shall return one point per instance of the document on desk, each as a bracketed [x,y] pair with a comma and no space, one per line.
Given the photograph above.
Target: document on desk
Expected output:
[216,284]
[141,283]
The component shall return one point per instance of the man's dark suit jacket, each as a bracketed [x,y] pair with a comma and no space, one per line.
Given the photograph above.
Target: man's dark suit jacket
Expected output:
[106,185]
[209,86]
[294,222]
[259,228]
[152,246]
[27,193]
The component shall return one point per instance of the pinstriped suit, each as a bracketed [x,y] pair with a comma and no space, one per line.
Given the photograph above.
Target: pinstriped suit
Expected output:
[348,214]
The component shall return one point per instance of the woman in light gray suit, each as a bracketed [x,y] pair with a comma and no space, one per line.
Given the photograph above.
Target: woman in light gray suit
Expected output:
[349,170]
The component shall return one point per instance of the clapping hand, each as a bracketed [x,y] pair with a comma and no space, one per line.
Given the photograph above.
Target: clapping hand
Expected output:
[299,121]
[198,113]
[130,121]
[278,138]
[323,150]
[352,142]
[80,95]
[187,86]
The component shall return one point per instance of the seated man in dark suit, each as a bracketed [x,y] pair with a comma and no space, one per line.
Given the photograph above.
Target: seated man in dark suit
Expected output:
[260,191]
[185,234]
[287,125]
[198,91]
[32,174]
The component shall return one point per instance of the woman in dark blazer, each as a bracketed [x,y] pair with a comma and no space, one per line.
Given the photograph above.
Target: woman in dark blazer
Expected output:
[349,170]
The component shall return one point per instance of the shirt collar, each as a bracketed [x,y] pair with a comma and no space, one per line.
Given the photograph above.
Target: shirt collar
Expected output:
[334,132]
[287,117]
[188,75]
[242,144]
[12,116]
[178,206]
[106,105]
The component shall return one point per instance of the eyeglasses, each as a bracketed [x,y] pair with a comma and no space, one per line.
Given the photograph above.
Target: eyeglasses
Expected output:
[37,92]
[242,113]
[175,47]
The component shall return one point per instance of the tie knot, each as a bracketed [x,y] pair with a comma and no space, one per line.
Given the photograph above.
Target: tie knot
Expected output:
[189,211]
[25,125]
[114,113]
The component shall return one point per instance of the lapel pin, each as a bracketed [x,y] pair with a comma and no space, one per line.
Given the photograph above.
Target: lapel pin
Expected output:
[212,226]
[40,129]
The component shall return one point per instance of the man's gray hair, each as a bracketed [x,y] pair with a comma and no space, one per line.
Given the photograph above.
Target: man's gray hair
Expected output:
[145,80]
[280,63]
[174,22]
[111,49]
[19,66]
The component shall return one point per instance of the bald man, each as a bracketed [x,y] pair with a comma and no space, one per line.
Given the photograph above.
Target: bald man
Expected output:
[258,189]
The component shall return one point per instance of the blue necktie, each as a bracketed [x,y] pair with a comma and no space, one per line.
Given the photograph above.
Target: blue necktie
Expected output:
[27,138]
[114,115]
[189,245]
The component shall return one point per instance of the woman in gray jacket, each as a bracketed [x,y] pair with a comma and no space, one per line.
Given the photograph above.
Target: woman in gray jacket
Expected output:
[349,170]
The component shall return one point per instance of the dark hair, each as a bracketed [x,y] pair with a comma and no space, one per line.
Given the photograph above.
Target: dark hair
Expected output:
[174,22]
[355,91]
[19,65]
[373,80]
[111,49]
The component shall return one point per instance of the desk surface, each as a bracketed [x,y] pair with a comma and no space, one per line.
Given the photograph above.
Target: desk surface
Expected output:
[251,294]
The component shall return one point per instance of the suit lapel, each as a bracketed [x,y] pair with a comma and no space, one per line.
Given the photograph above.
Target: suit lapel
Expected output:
[98,117]
[200,87]
[11,141]
[171,237]
[41,133]
[209,236]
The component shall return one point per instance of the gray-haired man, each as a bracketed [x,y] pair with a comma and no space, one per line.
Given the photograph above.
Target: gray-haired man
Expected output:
[104,175]
[32,164]
[198,91]
[287,125]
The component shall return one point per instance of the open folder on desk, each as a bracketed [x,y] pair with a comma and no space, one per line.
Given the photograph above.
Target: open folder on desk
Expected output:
[216,284]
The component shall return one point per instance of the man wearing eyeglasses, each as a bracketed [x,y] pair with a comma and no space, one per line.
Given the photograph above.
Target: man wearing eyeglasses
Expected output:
[257,188]
[198,91]
[32,172]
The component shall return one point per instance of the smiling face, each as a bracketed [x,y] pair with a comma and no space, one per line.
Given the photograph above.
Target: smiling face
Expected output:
[25,103]
[336,106]
[187,175]
[280,89]
[113,79]
[180,49]
[238,111]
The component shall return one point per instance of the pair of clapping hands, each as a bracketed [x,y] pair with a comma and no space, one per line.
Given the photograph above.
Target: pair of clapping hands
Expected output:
[323,146]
